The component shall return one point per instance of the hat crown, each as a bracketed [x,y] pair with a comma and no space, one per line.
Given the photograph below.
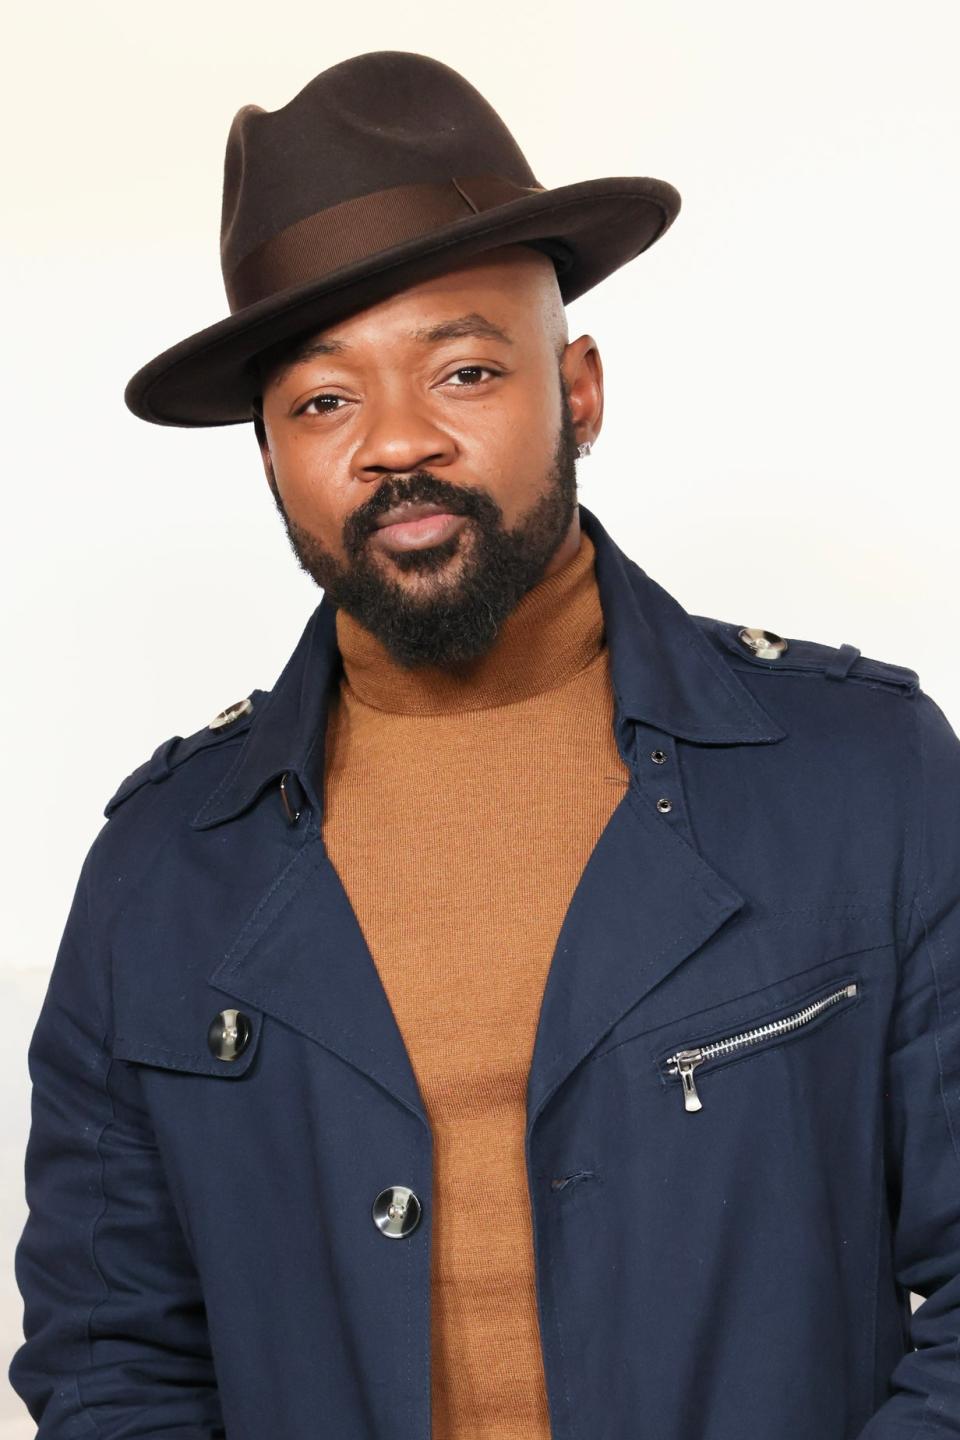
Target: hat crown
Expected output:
[382,119]
[381,172]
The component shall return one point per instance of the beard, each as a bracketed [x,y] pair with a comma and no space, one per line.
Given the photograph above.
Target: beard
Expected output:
[451,621]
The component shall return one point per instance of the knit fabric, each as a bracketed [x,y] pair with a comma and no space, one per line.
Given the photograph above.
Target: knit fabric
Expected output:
[461,806]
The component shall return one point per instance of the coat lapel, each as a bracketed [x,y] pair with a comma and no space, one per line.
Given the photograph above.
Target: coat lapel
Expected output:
[302,957]
[645,902]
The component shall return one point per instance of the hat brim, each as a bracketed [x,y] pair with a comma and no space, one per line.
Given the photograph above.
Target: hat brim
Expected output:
[206,380]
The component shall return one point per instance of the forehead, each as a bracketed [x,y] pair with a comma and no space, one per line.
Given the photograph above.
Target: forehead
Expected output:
[473,323]
[443,307]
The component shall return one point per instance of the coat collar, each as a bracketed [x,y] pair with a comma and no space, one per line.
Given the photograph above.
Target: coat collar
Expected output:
[664,671]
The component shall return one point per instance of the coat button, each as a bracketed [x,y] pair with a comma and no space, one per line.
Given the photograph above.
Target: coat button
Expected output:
[764,644]
[229,1034]
[396,1211]
[232,712]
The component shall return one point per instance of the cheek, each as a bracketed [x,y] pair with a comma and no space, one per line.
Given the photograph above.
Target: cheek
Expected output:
[517,442]
[303,468]
[296,460]
[309,498]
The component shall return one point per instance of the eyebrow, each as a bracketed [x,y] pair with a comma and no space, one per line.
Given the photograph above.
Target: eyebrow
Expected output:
[472,324]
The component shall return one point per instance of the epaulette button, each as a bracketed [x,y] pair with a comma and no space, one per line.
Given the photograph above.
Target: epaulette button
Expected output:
[232,712]
[763,643]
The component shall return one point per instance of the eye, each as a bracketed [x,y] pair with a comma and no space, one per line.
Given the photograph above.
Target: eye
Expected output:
[315,400]
[473,370]
[338,400]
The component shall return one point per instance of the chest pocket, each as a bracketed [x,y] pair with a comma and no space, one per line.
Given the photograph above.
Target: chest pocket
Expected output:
[825,1021]
[786,1023]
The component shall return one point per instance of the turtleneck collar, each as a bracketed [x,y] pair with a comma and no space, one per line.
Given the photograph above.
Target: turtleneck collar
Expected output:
[555,630]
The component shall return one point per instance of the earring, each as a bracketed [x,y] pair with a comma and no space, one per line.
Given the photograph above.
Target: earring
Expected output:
[583,449]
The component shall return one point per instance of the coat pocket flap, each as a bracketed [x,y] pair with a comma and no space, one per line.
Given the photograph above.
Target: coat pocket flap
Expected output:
[203,1047]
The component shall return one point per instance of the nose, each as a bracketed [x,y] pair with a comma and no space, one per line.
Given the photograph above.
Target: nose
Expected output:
[400,435]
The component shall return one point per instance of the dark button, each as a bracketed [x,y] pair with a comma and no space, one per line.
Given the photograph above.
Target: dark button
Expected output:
[658,756]
[664,805]
[396,1211]
[229,1034]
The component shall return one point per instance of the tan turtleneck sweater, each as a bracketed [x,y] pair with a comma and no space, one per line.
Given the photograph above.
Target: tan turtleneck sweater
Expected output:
[460,810]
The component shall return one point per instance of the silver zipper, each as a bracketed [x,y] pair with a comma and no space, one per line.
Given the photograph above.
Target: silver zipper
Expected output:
[682,1062]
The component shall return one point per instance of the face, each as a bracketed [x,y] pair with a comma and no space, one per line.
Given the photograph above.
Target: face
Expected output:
[460,394]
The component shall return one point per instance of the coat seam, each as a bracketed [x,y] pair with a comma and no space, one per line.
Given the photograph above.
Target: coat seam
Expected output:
[96,1428]
[232,769]
[910,830]
[932,943]
[871,1398]
[564,1368]
[740,693]
[304,856]
[93,1235]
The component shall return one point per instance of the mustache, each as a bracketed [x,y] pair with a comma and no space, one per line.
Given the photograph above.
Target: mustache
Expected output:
[420,487]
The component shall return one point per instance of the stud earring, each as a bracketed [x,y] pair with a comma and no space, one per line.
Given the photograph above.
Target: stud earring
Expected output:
[583,449]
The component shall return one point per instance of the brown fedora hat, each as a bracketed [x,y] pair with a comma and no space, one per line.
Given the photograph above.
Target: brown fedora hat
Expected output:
[384,169]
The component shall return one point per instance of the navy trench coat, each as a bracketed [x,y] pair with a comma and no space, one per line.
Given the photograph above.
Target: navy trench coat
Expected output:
[743,1102]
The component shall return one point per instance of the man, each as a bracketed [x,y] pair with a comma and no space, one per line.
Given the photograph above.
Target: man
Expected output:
[539,1013]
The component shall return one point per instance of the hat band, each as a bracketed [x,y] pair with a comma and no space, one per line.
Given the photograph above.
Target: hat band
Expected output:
[355,229]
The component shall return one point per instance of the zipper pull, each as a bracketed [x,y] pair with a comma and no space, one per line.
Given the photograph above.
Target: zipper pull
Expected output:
[682,1064]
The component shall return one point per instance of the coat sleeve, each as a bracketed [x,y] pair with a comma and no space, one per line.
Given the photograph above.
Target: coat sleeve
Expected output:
[115,1336]
[922,1098]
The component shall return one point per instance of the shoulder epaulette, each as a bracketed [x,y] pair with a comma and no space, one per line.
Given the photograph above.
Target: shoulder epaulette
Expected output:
[769,651]
[226,725]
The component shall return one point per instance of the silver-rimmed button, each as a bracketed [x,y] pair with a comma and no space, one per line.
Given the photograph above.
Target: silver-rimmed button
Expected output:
[396,1211]
[763,643]
[658,756]
[229,1034]
[232,712]
[663,805]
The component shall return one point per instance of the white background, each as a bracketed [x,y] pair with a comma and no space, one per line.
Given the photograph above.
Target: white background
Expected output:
[779,446]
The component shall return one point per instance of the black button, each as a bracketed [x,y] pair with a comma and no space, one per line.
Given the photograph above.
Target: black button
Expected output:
[229,1034]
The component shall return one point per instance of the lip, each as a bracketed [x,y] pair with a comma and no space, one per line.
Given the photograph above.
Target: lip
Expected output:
[417,534]
[409,510]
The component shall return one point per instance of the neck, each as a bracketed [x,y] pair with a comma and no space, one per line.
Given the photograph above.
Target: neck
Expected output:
[553,632]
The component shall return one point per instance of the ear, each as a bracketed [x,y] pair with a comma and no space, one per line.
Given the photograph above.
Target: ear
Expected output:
[267,459]
[260,431]
[583,374]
